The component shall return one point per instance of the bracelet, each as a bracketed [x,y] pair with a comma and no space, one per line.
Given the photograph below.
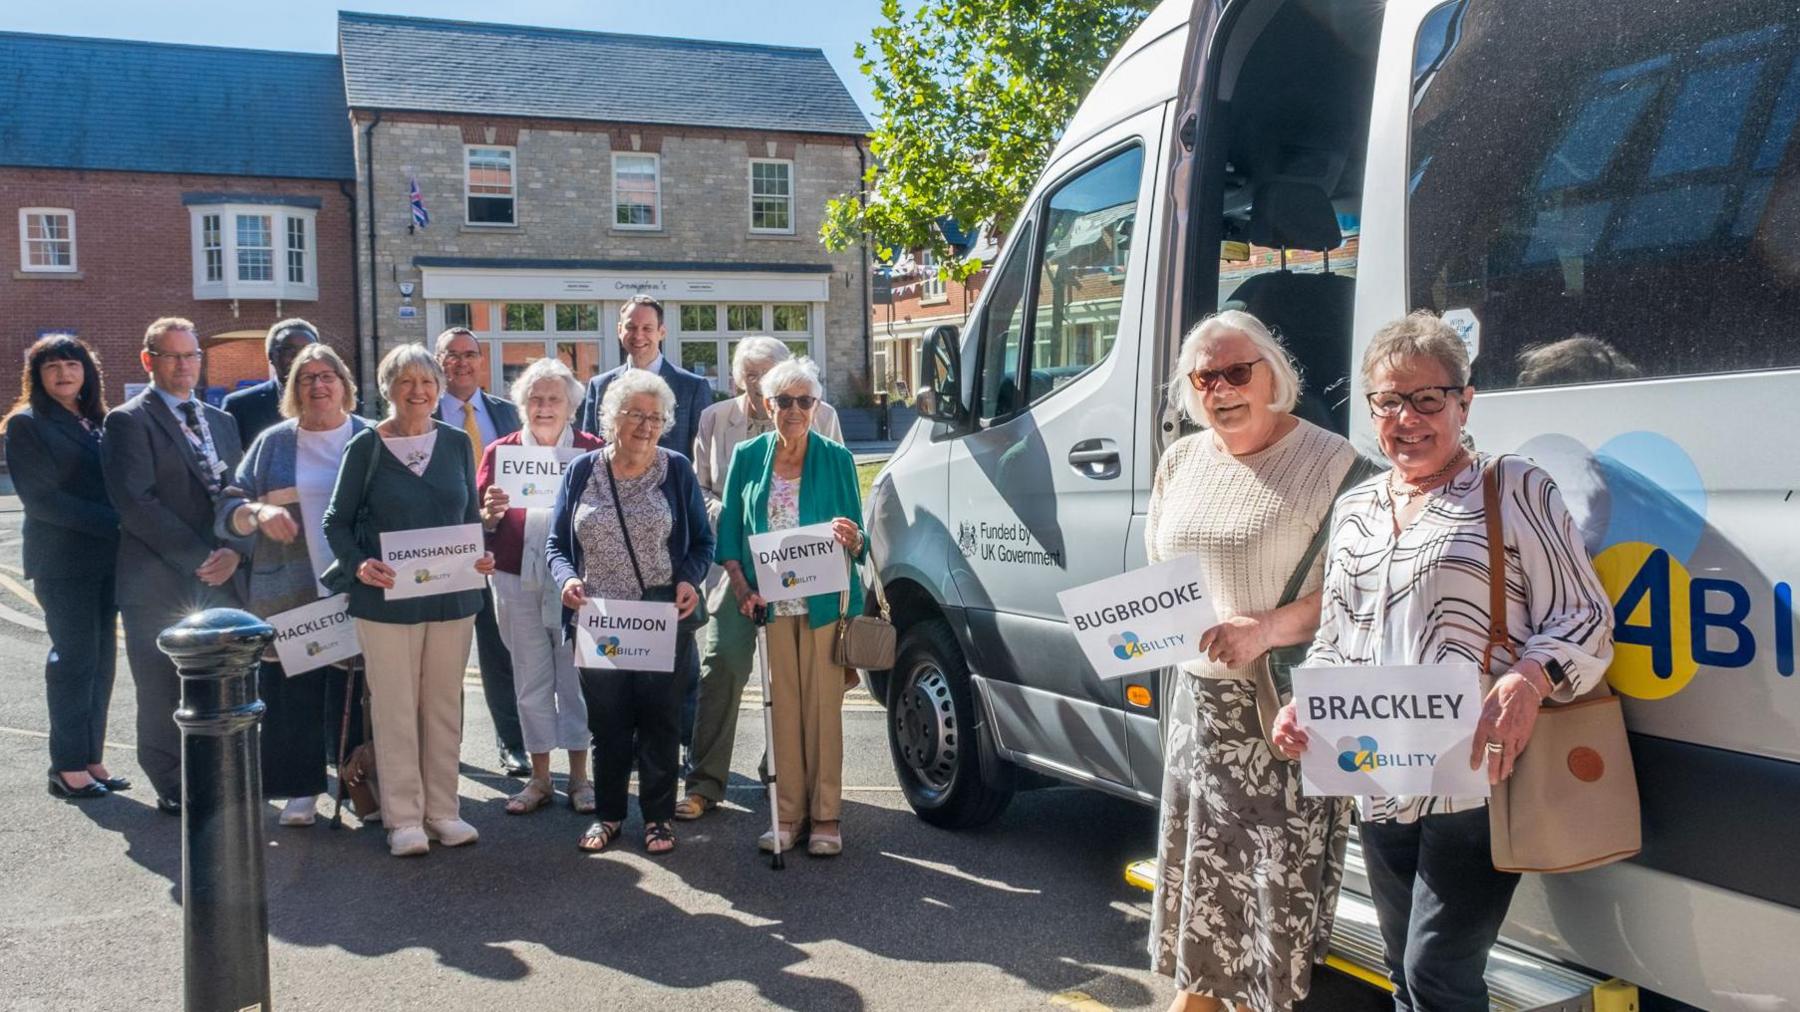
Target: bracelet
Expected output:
[1541,694]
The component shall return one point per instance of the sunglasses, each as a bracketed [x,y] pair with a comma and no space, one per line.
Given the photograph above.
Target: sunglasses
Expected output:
[804,401]
[1425,400]
[1237,374]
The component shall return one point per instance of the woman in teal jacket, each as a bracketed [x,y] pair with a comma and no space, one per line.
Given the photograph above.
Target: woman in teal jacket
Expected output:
[794,477]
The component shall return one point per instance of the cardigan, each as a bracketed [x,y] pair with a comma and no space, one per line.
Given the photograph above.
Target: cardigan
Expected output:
[71,528]
[690,536]
[400,500]
[281,576]
[507,540]
[828,490]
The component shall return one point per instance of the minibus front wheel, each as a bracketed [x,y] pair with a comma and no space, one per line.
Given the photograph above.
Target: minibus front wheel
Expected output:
[932,731]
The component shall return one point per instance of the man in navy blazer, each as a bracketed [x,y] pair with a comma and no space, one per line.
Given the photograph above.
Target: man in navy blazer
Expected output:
[468,407]
[641,332]
[258,407]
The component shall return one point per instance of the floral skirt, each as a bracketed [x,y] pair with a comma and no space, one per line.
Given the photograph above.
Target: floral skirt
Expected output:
[1248,869]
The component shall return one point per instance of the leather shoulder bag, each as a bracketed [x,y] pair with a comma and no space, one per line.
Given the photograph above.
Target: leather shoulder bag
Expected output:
[1572,800]
[864,641]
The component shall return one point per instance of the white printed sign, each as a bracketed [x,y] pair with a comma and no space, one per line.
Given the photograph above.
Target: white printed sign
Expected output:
[1142,620]
[1467,327]
[433,560]
[625,635]
[1389,731]
[532,474]
[314,635]
[799,562]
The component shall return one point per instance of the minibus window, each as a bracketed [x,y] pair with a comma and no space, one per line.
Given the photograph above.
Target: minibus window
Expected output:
[1614,197]
[1002,330]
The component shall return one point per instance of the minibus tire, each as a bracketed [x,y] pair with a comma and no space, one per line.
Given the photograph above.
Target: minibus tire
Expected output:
[932,738]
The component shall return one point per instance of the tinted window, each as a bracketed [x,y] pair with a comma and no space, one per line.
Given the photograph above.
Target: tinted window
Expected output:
[1612,190]
[1003,330]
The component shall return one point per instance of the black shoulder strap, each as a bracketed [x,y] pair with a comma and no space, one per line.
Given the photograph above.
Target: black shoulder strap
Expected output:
[612,486]
[1361,469]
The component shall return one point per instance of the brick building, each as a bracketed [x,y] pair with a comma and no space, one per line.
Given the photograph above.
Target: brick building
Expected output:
[911,298]
[564,171]
[148,180]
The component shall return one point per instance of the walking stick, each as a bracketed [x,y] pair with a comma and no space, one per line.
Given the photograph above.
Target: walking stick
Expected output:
[337,813]
[762,663]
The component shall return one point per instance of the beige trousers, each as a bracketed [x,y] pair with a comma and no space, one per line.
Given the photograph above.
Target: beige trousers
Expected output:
[415,675]
[808,695]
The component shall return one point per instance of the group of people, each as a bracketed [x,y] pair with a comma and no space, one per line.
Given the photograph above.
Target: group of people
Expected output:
[166,504]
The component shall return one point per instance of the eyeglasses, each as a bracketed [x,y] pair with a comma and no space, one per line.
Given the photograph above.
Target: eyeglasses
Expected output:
[639,418]
[462,356]
[804,401]
[312,379]
[179,358]
[1238,374]
[1425,400]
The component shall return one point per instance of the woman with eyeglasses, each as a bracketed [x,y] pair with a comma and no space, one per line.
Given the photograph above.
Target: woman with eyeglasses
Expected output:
[794,477]
[1248,867]
[1407,582]
[630,525]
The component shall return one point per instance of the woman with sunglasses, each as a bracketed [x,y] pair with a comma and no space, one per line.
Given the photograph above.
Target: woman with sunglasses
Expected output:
[794,477]
[1407,582]
[1249,869]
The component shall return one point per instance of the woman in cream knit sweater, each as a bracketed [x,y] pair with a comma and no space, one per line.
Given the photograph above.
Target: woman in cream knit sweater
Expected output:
[1249,869]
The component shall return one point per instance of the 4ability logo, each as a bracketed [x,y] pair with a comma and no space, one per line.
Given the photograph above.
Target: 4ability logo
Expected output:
[1358,754]
[424,576]
[793,579]
[1127,645]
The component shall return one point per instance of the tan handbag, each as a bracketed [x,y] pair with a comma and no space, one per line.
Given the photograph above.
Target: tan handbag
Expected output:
[863,641]
[1572,800]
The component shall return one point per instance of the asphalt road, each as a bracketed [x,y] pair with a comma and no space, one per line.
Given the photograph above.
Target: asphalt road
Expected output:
[1027,913]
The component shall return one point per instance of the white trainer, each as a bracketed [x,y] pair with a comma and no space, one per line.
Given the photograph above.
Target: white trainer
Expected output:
[300,811]
[451,832]
[409,841]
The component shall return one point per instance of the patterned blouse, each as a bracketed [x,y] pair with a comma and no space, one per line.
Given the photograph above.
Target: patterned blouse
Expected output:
[609,573]
[784,513]
[1421,597]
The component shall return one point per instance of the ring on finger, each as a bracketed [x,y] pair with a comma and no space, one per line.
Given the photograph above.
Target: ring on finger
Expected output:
[1495,747]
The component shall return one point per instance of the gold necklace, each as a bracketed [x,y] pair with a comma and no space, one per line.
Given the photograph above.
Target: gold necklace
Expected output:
[1427,483]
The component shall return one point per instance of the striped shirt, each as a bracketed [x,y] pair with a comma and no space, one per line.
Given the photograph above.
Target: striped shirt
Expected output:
[1422,596]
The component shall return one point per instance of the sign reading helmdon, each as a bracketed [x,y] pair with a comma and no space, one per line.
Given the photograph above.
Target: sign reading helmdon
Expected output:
[433,560]
[314,635]
[532,474]
[625,635]
[799,562]
[1142,620]
[1389,731]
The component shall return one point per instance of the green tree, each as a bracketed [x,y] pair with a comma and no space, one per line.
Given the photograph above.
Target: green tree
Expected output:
[973,95]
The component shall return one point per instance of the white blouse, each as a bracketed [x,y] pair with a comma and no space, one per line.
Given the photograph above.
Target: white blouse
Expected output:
[316,459]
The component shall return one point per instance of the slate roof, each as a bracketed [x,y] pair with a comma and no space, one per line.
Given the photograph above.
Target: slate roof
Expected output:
[80,103]
[431,65]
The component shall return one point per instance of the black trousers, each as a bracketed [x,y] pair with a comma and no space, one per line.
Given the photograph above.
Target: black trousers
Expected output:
[293,765]
[495,662]
[78,674]
[645,705]
[1440,904]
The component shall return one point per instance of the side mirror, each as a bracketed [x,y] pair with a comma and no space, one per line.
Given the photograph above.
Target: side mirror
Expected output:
[940,376]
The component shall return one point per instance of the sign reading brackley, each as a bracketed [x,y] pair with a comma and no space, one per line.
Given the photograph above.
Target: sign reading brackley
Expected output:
[1142,620]
[799,562]
[1389,731]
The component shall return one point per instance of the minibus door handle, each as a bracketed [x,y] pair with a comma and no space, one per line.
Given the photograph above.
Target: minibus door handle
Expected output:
[1095,458]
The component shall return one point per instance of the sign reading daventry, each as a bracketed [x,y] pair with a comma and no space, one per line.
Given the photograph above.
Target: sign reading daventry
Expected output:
[433,560]
[1142,620]
[799,562]
[314,635]
[531,474]
[1389,731]
[625,635]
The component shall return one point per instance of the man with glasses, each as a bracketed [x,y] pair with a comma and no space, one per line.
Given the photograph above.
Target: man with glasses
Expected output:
[167,455]
[485,418]
[258,407]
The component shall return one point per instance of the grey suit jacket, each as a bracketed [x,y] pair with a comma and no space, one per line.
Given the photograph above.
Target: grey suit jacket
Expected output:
[693,395]
[157,483]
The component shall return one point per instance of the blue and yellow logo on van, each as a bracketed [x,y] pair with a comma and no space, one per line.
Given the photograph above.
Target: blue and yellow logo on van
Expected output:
[1358,754]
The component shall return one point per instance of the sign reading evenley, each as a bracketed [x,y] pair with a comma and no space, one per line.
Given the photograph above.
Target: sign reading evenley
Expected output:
[532,474]
[1142,620]
[1389,731]
[625,635]
[799,562]
[314,635]
[433,560]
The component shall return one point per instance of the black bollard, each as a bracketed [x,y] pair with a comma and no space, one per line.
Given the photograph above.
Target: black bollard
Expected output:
[224,904]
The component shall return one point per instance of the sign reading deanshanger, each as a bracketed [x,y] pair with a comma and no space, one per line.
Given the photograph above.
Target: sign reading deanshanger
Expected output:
[799,562]
[1142,620]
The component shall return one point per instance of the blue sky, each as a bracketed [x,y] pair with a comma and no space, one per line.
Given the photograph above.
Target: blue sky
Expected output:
[834,26]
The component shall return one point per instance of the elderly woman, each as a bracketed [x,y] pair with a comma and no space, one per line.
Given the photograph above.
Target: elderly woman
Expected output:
[794,477]
[630,526]
[1249,867]
[551,712]
[409,473]
[1407,583]
[71,548]
[278,498]
[731,640]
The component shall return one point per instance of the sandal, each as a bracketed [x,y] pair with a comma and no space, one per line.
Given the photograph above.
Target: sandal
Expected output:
[657,833]
[599,836]
[581,798]
[693,806]
[529,800]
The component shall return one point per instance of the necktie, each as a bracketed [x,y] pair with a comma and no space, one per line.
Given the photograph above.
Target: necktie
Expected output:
[201,445]
[473,427]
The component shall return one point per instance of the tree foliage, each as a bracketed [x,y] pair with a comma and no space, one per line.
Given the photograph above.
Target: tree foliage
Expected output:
[972,95]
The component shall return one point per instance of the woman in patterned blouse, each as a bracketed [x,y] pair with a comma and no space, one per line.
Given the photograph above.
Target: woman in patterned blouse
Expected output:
[1407,583]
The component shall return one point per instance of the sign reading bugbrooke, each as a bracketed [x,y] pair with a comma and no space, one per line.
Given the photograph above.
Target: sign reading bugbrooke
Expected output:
[1389,731]
[314,635]
[532,474]
[625,635]
[433,560]
[799,562]
[1142,620]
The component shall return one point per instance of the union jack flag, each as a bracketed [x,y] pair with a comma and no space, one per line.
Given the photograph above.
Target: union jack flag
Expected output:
[421,217]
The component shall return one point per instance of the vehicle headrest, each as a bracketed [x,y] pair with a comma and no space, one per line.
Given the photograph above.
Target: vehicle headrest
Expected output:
[1294,215]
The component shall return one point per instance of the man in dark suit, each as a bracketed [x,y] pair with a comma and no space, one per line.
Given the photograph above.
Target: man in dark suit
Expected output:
[485,418]
[258,407]
[641,333]
[166,455]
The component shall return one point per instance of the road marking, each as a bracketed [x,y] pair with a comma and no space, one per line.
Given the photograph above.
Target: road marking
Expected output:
[39,734]
[1079,1001]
